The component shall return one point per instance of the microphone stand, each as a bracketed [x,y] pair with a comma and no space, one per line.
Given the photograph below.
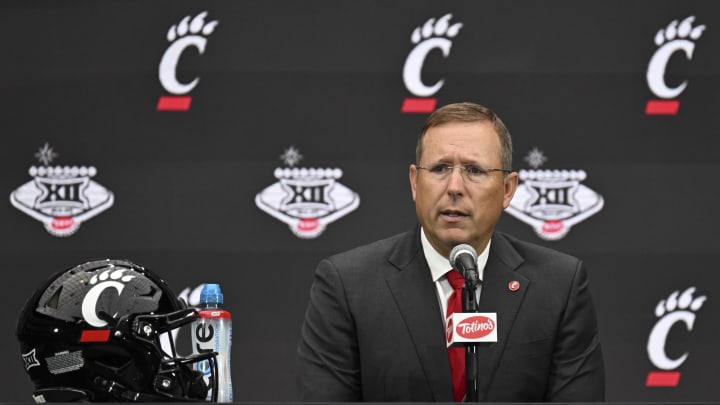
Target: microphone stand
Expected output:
[470,304]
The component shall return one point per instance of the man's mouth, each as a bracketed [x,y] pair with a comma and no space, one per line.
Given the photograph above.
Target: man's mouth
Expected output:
[453,214]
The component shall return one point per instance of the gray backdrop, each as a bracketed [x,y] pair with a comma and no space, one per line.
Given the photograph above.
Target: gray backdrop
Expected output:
[325,78]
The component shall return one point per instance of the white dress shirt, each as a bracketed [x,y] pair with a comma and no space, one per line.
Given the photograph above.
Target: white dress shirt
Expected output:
[439,265]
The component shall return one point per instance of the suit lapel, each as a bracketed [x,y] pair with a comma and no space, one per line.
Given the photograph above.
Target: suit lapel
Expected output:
[497,296]
[414,293]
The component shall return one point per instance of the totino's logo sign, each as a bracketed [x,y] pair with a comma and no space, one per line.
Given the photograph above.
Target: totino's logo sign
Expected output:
[473,327]
[677,309]
[187,34]
[434,35]
[677,38]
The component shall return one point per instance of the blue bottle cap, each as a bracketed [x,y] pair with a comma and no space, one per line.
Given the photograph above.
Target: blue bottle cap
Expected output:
[211,294]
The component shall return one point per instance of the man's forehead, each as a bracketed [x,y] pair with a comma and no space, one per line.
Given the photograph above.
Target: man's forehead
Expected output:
[472,138]
[483,129]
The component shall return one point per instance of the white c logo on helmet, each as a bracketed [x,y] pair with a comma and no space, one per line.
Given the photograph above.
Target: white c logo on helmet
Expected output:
[89,303]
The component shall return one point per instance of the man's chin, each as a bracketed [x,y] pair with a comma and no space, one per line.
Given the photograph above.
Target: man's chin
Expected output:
[454,237]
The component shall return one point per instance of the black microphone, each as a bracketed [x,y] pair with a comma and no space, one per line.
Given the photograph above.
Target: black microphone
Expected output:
[463,258]
[470,324]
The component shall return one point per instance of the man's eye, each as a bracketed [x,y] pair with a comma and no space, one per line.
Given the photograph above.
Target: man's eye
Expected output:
[474,170]
[439,169]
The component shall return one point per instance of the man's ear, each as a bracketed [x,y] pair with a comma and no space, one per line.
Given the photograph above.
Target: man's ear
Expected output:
[511,183]
[413,179]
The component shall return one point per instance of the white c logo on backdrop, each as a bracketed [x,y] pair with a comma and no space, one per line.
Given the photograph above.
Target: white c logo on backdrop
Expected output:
[658,64]
[658,338]
[168,64]
[412,71]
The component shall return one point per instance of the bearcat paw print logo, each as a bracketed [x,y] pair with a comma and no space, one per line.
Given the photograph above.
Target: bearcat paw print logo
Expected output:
[437,29]
[434,34]
[674,38]
[190,32]
[683,302]
[197,25]
[682,31]
[111,275]
[677,308]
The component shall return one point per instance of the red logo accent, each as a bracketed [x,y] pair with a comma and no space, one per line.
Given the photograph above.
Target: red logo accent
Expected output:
[61,223]
[662,107]
[418,105]
[513,285]
[475,327]
[553,226]
[214,314]
[174,103]
[308,224]
[448,330]
[98,335]
[662,379]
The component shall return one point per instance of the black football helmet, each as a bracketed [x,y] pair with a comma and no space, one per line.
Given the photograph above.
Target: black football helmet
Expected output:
[101,331]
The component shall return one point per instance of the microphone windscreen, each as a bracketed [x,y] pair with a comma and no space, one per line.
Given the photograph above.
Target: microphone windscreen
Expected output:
[460,249]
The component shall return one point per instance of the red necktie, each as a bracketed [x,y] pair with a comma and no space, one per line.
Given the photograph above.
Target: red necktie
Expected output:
[456,354]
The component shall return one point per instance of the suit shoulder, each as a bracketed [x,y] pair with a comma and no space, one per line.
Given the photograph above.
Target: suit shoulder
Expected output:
[534,253]
[375,251]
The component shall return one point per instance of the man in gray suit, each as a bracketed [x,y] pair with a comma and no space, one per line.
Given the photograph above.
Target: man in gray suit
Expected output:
[374,328]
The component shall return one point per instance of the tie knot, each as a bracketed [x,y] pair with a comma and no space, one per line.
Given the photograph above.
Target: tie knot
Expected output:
[455,278]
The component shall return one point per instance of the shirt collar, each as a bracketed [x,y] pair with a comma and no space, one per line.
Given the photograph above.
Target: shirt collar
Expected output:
[440,265]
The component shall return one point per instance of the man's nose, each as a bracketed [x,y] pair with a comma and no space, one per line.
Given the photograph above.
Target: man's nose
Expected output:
[456,181]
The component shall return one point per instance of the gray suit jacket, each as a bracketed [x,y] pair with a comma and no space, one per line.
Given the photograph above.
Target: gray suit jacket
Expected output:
[374,332]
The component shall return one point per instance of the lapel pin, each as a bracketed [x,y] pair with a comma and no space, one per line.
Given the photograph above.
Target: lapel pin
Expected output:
[513,285]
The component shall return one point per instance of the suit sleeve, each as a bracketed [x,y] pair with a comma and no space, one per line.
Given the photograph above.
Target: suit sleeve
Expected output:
[327,357]
[577,373]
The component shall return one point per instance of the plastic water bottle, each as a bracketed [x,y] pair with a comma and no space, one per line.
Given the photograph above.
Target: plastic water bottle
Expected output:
[213,332]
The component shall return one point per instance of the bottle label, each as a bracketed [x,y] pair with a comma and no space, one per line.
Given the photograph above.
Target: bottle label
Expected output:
[213,333]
